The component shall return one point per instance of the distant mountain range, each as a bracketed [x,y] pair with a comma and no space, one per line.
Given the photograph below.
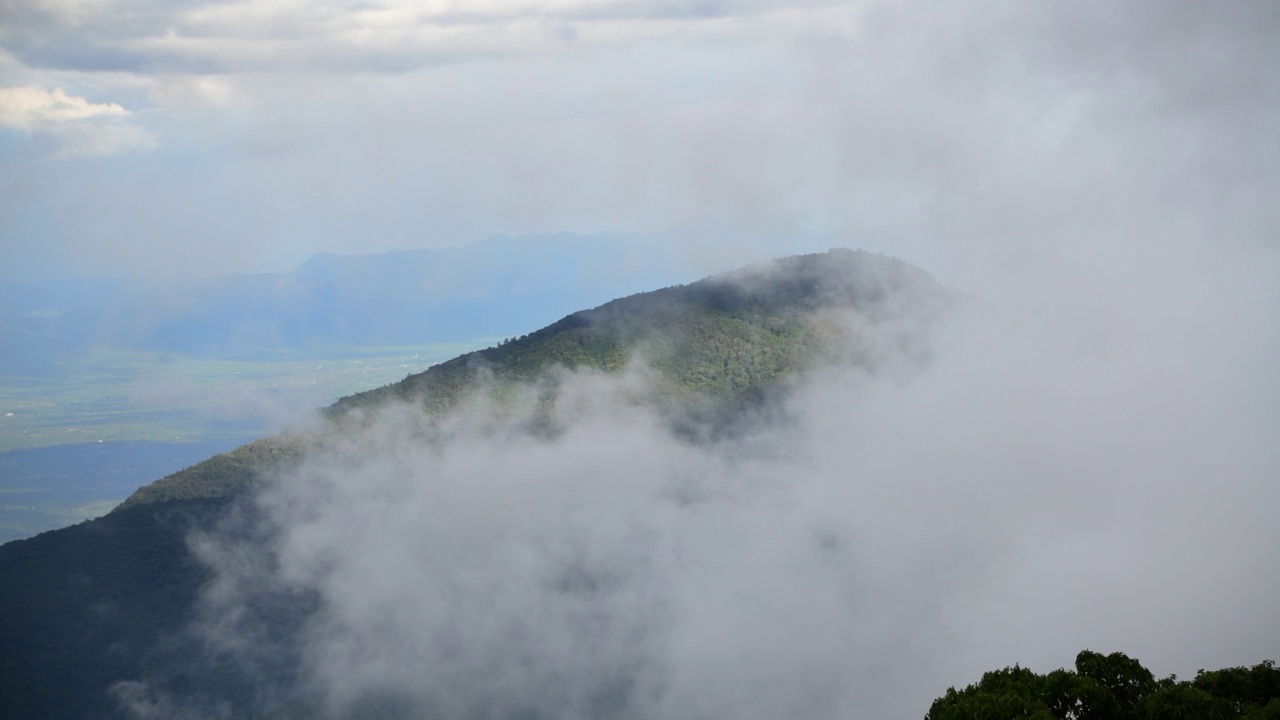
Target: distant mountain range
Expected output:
[108,600]
[492,287]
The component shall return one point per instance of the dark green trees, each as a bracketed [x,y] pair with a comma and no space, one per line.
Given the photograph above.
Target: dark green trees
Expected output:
[1250,689]
[1125,678]
[1010,694]
[1114,687]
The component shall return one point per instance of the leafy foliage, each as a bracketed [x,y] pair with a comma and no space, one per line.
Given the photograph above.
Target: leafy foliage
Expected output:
[1253,689]
[1114,687]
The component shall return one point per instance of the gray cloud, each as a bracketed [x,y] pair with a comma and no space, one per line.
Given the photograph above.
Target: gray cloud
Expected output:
[974,139]
[219,37]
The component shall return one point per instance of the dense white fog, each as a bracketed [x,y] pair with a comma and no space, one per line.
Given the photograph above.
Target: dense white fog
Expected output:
[1077,470]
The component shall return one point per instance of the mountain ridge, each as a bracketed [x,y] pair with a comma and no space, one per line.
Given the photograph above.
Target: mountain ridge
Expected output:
[714,345]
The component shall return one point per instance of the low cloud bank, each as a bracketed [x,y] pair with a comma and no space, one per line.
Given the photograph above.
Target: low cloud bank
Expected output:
[1075,471]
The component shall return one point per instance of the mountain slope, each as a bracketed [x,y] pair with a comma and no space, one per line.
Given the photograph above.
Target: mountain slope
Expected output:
[87,608]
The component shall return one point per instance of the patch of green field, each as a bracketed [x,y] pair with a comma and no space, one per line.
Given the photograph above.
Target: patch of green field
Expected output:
[112,395]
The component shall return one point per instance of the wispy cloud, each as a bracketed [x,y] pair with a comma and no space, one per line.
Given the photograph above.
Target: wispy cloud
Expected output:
[80,128]
[32,107]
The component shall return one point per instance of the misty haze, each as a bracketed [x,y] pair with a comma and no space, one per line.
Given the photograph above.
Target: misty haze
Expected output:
[639,361]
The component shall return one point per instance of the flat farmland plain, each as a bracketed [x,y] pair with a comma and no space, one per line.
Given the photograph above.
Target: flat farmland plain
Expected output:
[79,434]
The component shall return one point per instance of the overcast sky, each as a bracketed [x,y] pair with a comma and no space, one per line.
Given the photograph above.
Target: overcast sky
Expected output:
[154,138]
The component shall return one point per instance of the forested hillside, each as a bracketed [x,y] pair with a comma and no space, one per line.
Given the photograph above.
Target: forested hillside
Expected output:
[90,606]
